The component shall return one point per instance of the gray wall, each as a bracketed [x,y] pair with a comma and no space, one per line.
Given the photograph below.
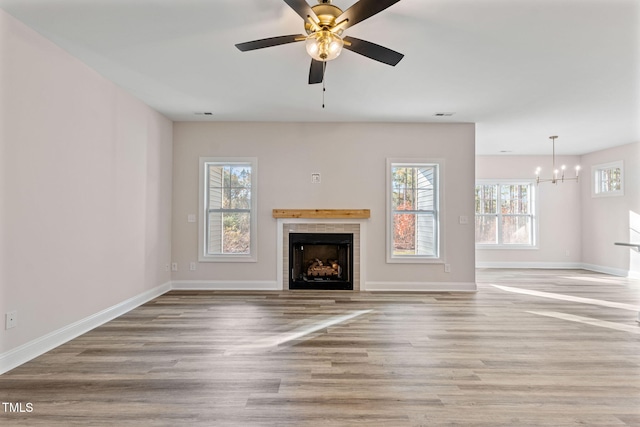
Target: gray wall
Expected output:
[352,160]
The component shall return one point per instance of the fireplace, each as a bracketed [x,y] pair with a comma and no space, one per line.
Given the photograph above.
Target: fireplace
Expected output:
[321,261]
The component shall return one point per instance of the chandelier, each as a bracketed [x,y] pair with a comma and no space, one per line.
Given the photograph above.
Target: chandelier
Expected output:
[558,174]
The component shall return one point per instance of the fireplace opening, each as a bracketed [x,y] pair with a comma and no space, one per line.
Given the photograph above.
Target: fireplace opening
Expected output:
[321,261]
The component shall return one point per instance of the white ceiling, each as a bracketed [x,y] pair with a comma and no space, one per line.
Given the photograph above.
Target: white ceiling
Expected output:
[521,69]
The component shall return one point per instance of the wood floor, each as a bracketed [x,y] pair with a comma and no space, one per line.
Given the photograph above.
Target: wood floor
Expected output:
[492,358]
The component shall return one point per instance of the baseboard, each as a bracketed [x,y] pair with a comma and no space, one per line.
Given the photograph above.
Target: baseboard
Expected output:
[608,270]
[19,355]
[226,285]
[540,265]
[420,287]
[562,266]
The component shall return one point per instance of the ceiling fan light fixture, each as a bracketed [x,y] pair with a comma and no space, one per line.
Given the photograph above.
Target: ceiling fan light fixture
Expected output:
[324,45]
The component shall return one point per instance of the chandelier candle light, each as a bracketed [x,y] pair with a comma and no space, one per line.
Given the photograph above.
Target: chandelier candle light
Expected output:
[558,175]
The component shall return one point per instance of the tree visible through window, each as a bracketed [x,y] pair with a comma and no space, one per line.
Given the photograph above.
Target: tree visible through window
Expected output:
[414,210]
[228,208]
[505,214]
[607,179]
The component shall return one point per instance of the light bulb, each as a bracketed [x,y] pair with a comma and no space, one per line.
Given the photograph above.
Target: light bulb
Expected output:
[323,45]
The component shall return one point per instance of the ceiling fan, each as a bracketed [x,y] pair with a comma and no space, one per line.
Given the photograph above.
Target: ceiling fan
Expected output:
[324,24]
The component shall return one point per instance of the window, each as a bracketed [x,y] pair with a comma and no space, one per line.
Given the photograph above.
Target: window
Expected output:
[227,209]
[413,224]
[607,180]
[505,215]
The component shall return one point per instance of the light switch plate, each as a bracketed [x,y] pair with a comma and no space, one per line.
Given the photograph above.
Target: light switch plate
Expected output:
[191,218]
[315,178]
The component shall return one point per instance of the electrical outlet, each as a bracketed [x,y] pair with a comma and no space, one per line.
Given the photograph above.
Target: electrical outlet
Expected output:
[11,319]
[192,266]
[174,266]
[191,218]
[447,268]
[463,219]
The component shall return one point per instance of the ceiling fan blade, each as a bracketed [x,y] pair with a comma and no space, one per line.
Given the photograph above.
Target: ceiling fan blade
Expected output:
[364,9]
[272,41]
[303,9]
[316,72]
[373,51]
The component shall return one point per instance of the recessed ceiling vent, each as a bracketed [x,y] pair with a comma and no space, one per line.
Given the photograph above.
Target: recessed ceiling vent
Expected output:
[206,113]
[443,114]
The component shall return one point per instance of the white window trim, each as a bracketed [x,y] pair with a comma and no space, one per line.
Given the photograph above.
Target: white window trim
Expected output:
[252,256]
[416,259]
[535,215]
[594,184]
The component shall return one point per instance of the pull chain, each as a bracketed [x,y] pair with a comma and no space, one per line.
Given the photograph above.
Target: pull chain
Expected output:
[324,67]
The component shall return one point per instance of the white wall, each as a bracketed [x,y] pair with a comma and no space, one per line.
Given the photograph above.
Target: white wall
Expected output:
[85,189]
[606,220]
[352,160]
[559,214]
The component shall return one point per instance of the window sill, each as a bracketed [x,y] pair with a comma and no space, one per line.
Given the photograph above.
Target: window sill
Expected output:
[228,258]
[507,247]
[414,260]
[607,194]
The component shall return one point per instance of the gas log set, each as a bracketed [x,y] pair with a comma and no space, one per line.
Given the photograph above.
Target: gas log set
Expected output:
[318,268]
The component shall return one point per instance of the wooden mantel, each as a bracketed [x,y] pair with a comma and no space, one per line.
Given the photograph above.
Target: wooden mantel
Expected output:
[322,213]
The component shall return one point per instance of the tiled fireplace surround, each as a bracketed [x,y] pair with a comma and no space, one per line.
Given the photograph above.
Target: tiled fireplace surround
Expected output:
[300,225]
